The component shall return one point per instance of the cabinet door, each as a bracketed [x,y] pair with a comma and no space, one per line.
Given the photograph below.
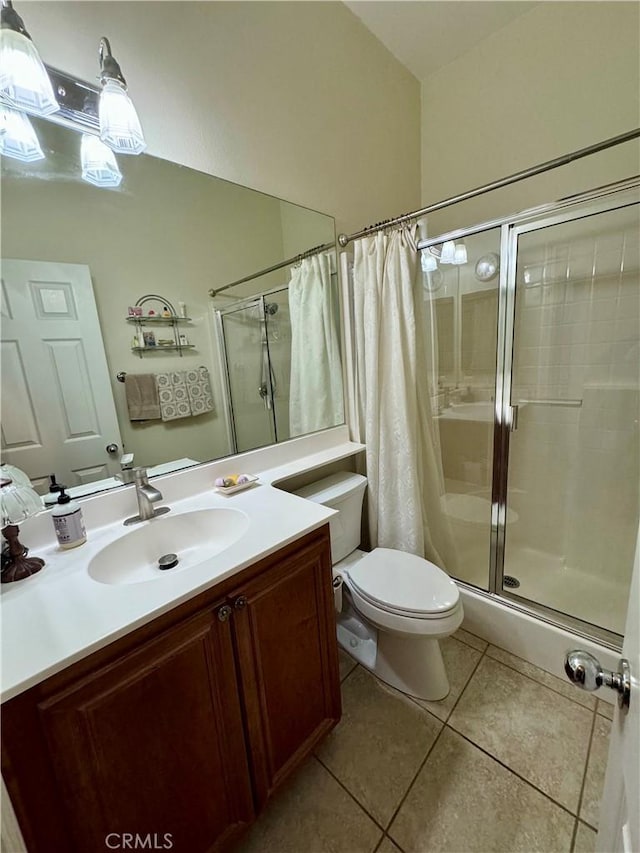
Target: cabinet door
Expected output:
[153,745]
[285,633]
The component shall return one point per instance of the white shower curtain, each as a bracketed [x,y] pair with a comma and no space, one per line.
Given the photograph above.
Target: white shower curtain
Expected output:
[404,468]
[315,397]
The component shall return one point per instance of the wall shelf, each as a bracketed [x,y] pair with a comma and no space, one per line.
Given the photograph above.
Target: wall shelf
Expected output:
[171,319]
[157,348]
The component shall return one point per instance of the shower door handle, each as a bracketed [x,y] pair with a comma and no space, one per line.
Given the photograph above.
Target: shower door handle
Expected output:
[513,425]
[585,671]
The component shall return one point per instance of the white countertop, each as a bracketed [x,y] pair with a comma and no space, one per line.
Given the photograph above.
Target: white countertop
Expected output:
[61,615]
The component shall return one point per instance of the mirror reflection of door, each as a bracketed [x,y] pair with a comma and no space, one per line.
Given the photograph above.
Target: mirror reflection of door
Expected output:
[58,414]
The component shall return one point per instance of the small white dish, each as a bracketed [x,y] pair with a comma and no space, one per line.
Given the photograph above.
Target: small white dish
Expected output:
[230,490]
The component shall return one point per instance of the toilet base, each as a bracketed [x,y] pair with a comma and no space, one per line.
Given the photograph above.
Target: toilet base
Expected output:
[411,664]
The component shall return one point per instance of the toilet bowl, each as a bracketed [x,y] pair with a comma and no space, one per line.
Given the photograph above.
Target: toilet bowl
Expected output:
[393,607]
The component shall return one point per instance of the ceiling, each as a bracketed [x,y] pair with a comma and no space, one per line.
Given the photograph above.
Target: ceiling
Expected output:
[424,35]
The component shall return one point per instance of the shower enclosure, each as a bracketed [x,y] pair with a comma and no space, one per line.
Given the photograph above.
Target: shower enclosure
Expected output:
[255,352]
[536,393]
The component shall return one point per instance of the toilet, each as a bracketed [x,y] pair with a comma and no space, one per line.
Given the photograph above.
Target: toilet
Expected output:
[392,607]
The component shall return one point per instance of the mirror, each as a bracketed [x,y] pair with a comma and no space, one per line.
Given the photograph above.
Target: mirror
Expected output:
[81,262]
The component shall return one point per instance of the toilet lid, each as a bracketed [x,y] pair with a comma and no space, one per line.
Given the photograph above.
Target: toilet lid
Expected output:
[400,582]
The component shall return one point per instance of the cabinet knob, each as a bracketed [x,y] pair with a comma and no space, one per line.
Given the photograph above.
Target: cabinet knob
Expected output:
[240,602]
[224,613]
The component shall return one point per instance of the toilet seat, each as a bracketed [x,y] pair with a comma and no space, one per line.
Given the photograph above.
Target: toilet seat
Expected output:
[403,584]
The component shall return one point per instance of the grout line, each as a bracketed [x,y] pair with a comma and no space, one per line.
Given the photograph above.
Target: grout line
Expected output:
[538,682]
[349,674]
[352,796]
[381,839]
[471,674]
[514,772]
[461,640]
[355,666]
[584,774]
[574,834]
[411,784]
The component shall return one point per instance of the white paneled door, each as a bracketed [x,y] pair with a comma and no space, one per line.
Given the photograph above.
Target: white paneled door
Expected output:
[620,808]
[58,414]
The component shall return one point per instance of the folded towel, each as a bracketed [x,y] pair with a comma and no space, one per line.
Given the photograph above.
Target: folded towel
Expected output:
[172,391]
[199,390]
[142,396]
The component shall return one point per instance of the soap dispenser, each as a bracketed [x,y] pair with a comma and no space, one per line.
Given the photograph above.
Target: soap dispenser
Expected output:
[55,488]
[67,521]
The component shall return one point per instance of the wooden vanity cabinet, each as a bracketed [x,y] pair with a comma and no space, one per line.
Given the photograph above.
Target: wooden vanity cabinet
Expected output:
[181,731]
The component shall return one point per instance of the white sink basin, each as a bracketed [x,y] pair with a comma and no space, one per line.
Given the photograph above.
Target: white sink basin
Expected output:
[192,536]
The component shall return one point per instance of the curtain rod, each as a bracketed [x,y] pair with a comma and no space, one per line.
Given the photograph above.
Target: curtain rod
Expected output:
[315,251]
[345,239]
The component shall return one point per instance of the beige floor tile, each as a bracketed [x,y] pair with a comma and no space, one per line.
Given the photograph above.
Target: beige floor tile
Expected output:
[594,780]
[460,660]
[379,744]
[565,688]
[585,839]
[388,846]
[605,709]
[346,662]
[463,800]
[314,814]
[471,639]
[534,731]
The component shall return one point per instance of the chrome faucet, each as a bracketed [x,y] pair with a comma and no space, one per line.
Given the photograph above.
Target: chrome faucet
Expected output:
[147,495]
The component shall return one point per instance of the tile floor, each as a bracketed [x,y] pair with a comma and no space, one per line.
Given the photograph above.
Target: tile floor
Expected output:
[512,760]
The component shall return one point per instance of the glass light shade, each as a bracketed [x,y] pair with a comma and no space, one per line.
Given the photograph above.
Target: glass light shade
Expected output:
[428,261]
[119,123]
[460,254]
[99,166]
[17,497]
[17,137]
[448,252]
[24,82]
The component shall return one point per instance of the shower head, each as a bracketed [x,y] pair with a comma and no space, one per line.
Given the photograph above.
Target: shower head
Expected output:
[270,307]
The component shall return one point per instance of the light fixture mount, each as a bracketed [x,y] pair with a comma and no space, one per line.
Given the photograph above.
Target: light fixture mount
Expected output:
[78,102]
[109,67]
[11,20]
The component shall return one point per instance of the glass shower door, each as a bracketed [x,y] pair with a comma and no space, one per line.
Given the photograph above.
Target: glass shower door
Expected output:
[250,376]
[573,457]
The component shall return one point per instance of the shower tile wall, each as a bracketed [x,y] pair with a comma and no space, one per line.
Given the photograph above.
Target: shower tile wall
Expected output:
[573,472]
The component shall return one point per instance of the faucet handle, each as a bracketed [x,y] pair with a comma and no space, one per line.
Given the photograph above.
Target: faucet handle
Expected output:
[126,461]
[140,475]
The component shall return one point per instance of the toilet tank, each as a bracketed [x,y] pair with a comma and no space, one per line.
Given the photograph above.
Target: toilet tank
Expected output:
[343,491]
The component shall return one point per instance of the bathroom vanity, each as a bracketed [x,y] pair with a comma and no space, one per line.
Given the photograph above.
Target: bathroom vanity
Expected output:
[186,726]
[172,708]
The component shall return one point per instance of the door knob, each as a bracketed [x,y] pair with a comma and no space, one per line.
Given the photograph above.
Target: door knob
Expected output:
[584,670]
[111,448]
[240,603]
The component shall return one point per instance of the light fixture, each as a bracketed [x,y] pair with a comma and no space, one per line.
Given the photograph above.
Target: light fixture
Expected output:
[460,254]
[487,267]
[99,166]
[17,137]
[18,501]
[448,252]
[24,82]
[119,123]
[428,261]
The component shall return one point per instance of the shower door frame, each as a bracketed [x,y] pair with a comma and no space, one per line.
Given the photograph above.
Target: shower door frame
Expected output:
[599,200]
[239,305]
